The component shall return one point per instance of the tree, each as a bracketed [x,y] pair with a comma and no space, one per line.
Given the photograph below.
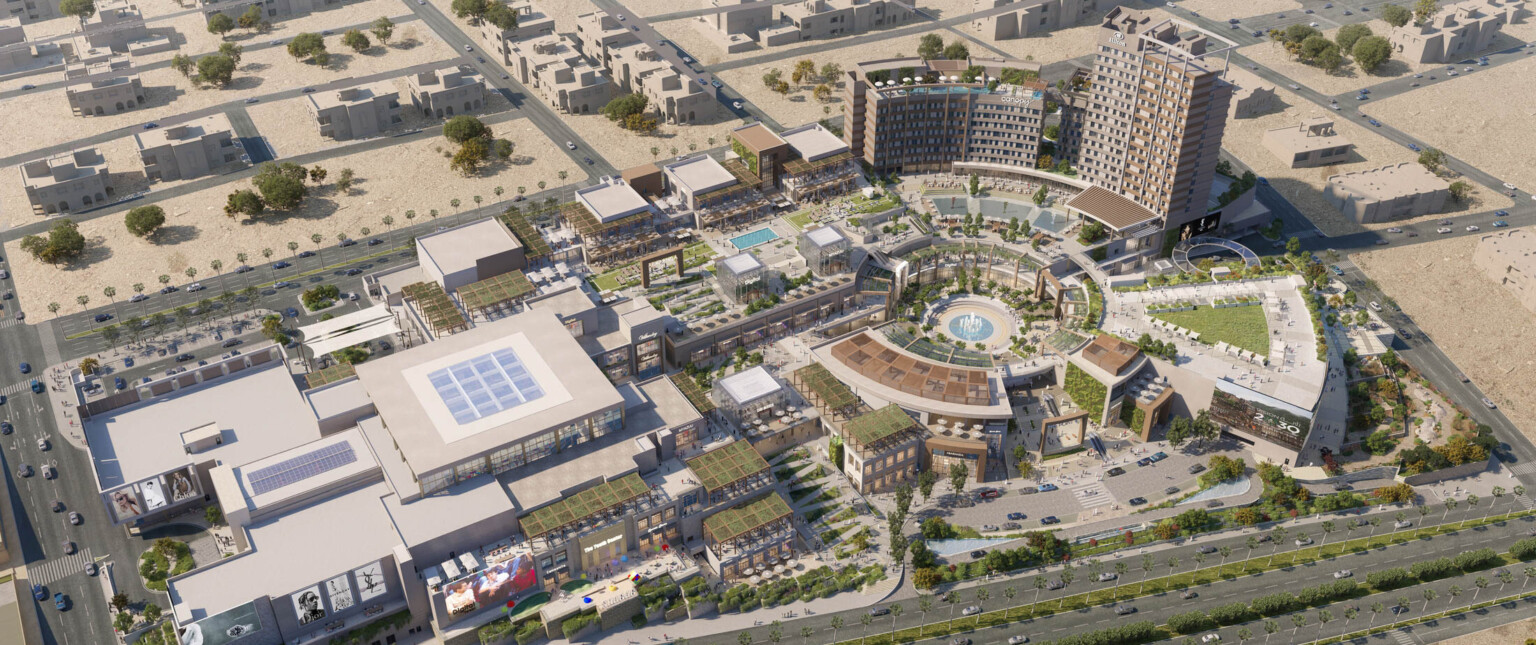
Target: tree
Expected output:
[1293,246]
[244,202]
[382,29]
[152,610]
[865,619]
[472,9]
[462,128]
[1349,34]
[213,514]
[469,157]
[958,473]
[233,51]
[782,88]
[344,180]
[144,220]
[251,19]
[930,46]
[220,24]
[81,9]
[804,71]
[281,184]
[957,51]
[63,242]
[183,63]
[1432,159]
[822,92]
[925,481]
[830,72]
[1371,51]
[355,39]
[1424,11]
[500,15]
[623,106]
[1314,46]
[306,44]
[217,69]
[1460,190]
[1395,15]
[1298,33]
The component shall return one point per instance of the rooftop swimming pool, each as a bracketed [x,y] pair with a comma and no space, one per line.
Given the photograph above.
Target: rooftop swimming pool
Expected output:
[755,238]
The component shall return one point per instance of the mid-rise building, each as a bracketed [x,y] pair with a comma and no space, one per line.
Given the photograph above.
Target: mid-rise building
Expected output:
[114,25]
[1025,18]
[442,94]
[531,23]
[636,67]
[189,150]
[1387,193]
[108,87]
[470,253]
[16,54]
[1309,144]
[355,112]
[1457,31]
[718,194]
[270,9]
[818,19]
[559,74]
[68,182]
[820,165]
[1509,258]
[736,24]
[30,11]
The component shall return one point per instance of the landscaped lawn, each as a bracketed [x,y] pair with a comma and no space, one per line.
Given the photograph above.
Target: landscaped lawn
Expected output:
[1242,327]
[799,220]
[628,275]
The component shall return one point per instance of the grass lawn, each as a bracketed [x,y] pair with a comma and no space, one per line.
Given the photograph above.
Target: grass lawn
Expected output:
[629,274]
[799,219]
[1242,327]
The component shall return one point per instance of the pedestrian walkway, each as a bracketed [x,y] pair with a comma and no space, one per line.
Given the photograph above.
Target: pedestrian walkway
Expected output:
[16,388]
[1528,468]
[1403,637]
[48,572]
[1091,494]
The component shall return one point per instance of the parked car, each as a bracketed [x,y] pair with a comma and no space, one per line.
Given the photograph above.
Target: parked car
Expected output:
[1196,469]
[1158,456]
[1012,526]
[978,554]
[182,358]
[120,383]
[1049,519]
[1138,501]
[1015,516]
[1116,471]
[988,493]
[1046,488]
[231,342]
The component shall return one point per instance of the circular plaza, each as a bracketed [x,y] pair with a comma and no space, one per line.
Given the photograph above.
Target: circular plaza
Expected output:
[972,319]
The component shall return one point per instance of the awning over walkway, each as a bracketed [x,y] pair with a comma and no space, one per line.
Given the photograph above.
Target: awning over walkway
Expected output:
[350,329]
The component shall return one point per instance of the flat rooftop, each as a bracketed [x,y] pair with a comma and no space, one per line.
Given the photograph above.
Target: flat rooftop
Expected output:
[427,518]
[611,200]
[757,137]
[485,388]
[1390,182]
[1309,136]
[700,174]
[824,236]
[656,404]
[259,412]
[751,385]
[459,248]
[1115,211]
[352,95]
[813,142]
[303,469]
[190,131]
[742,263]
[286,555]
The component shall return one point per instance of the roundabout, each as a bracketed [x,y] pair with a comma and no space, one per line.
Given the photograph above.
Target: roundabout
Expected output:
[973,319]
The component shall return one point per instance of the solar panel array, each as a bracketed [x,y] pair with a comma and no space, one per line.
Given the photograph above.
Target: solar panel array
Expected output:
[315,462]
[485,385]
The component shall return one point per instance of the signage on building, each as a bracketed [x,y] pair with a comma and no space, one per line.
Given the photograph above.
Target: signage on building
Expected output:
[1261,415]
[1117,38]
[616,538]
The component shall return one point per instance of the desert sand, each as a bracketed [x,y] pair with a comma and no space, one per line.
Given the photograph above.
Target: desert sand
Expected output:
[1436,284]
[624,149]
[690,35]
[1348,79]
[1050,47]
[1224,9]
[409,176]
[168,93]
[1304,186]
[1511,634]
[1496,136]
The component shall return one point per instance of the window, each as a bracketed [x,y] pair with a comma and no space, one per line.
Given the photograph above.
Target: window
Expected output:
[471,469]
[436,481]
[572,436]
[539,447]
[506,459]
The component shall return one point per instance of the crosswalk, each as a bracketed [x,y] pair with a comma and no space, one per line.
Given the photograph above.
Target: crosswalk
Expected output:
[1091,494]
[15,388]
[58,568]
[1526,501]
[1403,637]
[9,322]
[1527,468]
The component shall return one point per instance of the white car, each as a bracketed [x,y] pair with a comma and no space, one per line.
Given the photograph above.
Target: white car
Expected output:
[1210,638]
[1314,24]
[570,144]
[1473,228]
[1303,541]
[196,286]
[1020,639]
[1442,230]
[1489,404]
[1394,230]
[970,611]
[1402,525]
[1342,574]
[1106,577]
[138,297]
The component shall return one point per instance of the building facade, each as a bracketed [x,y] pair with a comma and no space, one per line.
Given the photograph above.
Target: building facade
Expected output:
[355,112]
[189,150]
[1027,18]
[442,94]
[559,74]
[1309,144]
[65,183]
[1459,30]
[30,11]
[1509,258]
[1387,193]
[108,87]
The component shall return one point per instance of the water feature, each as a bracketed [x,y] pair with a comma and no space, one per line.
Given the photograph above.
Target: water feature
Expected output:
[755,238]
[971,327]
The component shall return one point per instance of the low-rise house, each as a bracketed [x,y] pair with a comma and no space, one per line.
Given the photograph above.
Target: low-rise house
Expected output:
[189,150]
[356,112]
[66,182]
[441,94]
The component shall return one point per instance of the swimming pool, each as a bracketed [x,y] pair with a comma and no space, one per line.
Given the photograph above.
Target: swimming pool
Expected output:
[748,240]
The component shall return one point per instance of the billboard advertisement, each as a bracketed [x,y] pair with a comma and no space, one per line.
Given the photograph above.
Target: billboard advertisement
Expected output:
[307,605]
[493,585]
[125,503]
[154,494]
[1255,413]
[370,581]
[1200,226]
[223,628]
[182,484]
[339,590]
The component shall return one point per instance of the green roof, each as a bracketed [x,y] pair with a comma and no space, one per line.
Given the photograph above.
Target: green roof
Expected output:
[534,246]
[833,394]
[585,504]
[495,290]
[735,522]
[869,429]
[727,464]
[435,305]
[329,375]
[690,389]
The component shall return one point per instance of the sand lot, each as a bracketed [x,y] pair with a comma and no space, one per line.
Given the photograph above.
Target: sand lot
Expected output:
[409,176]
[194,28]
[1511,634]
[625,149]
[1497,137]
[799,107]
[1304,186]
[1047,48]
[1489,347]
[1224,9]
[170,94]
[1347,80]
[127,177]
[690,35]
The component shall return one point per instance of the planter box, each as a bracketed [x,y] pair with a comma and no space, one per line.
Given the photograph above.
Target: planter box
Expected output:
[700,609]
[675,613]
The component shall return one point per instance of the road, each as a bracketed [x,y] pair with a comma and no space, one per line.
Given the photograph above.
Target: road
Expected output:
[497,77]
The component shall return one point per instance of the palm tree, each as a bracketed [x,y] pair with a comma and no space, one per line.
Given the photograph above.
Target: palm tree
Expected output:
[951,598]
[1349,614]
[1008,593]
[1328,528]
[1323,618]
[837,623]
[1095,569]
[164,279]
[1040,586]
[53,308]
[865,619]
[1455,592]
[83,301]
[1529,572]
[1277,536]
[1301,540]
[744,638]
[925,605]
[316,238]
[1424,511]
[1173,564]
[389,222]
[982,596]
[1449,505]
[1429,594]
[1519,491]
[216,266]
[1147,564]
[1243,634]
[1270,627]
[1376,609]
[1472,501]
[1300,621]
[896,610]
[1481,583]
[367,231]
[1375,522]
[775,635]
[1498,494]
[1400,517]
[805,635]
[110,293]
[1120,569]
[1504,578]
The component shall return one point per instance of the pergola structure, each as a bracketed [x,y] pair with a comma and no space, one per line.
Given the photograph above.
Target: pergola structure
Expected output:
[741,521]
[495,291]
[813,179]
[674,251]
[607,242]
[730,470]
[329,375]
[693,393]
[869,431]
[833,399]
[534,246]
[574,509]
[436,308]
